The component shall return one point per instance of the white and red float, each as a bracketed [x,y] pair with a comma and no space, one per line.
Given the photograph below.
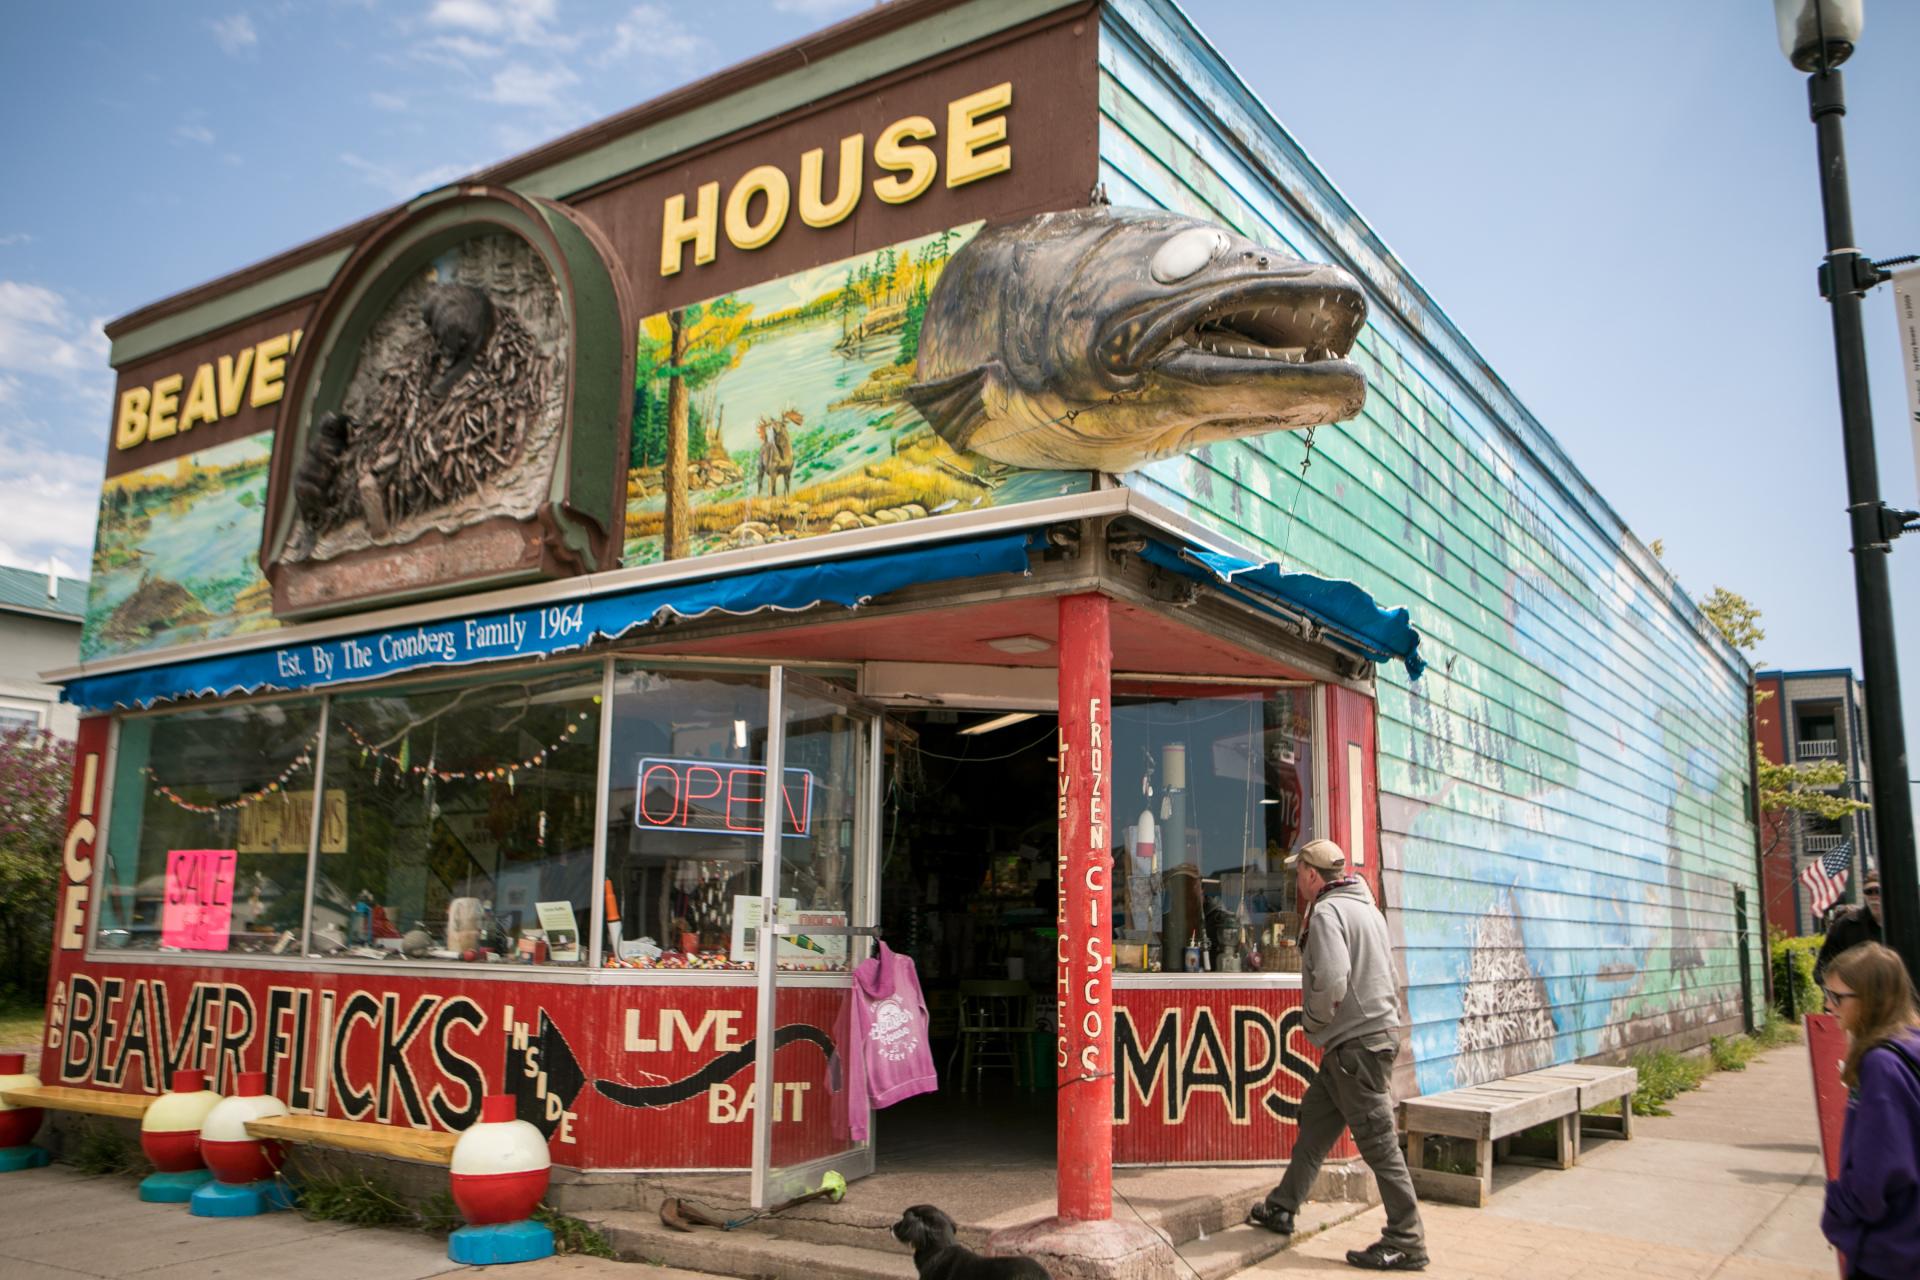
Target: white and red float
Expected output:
[170,1139]
[500,1172]
[243,1166]
[18,1124]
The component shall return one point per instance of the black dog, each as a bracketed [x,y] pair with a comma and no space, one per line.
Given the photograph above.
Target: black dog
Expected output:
[937,1257]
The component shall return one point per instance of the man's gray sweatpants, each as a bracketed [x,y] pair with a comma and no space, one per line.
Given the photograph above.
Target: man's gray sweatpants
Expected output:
[1351,1092]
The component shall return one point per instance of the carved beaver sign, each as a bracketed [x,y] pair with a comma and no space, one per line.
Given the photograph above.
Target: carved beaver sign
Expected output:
[313,481]
[1102,339]
[460,318]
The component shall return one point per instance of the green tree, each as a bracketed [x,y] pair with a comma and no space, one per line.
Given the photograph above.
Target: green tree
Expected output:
[1737,619]
[35,768]
[910,333]
[1794,792]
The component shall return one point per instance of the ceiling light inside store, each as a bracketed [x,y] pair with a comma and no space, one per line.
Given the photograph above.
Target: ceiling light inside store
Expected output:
[1020,644]
[739,735]
[998,722]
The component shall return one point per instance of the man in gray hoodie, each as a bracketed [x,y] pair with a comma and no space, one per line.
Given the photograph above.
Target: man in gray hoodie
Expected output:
[1351,1013]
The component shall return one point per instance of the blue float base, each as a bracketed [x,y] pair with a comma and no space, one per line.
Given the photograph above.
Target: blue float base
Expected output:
[173,1188]
[240,1200]
[13,1159]
[523,1241]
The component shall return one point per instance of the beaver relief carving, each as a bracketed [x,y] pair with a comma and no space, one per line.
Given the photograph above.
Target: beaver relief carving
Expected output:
[452,397]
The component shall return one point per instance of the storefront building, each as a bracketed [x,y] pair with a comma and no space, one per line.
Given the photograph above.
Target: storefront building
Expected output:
[909,484]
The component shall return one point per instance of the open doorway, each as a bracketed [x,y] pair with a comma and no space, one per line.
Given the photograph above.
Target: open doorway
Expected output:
[967,888]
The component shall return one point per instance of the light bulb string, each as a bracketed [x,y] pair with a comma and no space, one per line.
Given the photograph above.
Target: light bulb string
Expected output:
[491,773]
[173,797]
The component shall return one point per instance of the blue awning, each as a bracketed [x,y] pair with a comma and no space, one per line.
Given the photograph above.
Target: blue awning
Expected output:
[1339,606]
[556,627]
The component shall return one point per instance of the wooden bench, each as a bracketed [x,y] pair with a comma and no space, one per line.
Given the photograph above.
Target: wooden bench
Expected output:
[93,1102]
[423,1145]
[1485,1114]
[1597,1085]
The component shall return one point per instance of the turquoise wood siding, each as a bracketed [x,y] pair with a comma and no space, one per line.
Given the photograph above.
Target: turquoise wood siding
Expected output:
[1564,822]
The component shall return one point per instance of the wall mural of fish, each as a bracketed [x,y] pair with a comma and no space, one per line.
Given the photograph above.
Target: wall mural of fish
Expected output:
[1105,338]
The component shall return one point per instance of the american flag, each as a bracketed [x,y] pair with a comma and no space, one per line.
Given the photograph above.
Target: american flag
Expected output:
[1826,878]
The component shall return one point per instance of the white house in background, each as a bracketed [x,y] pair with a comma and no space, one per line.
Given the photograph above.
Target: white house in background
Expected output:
[40,619]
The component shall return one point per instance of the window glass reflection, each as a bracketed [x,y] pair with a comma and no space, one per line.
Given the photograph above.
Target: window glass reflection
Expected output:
[1211,794]
[471,811]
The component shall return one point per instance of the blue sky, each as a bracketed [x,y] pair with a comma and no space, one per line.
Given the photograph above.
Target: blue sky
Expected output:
[1616,202]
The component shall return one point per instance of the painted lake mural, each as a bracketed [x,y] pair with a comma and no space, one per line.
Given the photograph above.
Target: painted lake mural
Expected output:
[796,421]
[175,556]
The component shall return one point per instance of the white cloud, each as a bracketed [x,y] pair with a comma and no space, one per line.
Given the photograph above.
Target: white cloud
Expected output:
[399,184]
[41,336]
[466,47]
[193,133]
[49,502]
[387,101]
[651,30]
[524,22]
[822,8]
[12,238]
[519,85]
[235,35]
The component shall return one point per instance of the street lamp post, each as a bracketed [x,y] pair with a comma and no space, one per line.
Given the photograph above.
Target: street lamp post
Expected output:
[1816,36]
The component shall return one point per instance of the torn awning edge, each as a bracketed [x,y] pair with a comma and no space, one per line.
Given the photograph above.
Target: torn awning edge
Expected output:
[1341,607]
[549,628]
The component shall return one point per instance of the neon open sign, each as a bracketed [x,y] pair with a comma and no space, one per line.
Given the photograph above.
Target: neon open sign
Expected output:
[712,795]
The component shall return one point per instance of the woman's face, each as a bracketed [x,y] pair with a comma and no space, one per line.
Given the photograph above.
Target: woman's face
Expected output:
[1842,1002]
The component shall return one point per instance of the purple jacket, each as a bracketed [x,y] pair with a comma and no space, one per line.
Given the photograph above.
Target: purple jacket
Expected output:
[1873,1207]
[890,1059]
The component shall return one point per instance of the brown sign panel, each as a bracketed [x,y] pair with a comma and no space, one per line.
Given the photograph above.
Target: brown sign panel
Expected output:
[218,388]
[1009,126]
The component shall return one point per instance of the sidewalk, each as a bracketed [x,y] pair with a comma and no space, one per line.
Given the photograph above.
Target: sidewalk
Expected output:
[1728,1187]
[56,1224]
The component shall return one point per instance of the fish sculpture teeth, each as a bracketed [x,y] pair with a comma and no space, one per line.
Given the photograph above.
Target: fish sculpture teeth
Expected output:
[1103,339]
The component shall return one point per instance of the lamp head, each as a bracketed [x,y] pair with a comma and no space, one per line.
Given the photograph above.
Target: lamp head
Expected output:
[1806,26]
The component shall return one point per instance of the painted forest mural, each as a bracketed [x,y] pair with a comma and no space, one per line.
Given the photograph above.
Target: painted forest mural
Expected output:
[779,412]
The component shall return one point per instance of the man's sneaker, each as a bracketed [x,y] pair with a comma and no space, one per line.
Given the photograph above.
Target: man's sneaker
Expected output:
[1272,1217]
[1381,1256]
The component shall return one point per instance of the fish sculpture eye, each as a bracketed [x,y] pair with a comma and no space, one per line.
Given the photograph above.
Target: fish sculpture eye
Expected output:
[1186,252]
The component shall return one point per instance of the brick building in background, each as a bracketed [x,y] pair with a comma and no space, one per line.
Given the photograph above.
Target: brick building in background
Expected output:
[1813,717]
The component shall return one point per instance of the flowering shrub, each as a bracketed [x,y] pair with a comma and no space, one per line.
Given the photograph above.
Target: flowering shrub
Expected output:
[35,769]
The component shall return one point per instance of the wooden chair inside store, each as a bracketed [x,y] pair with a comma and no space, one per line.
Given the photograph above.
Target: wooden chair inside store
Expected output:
[996,1024]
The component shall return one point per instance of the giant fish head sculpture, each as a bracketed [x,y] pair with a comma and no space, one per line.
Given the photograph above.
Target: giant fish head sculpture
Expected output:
[1102,339]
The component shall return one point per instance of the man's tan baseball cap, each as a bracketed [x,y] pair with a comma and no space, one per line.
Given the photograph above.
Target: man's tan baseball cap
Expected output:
[1321,855]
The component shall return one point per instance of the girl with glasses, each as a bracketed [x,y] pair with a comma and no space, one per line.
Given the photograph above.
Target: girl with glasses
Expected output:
[1873,1208]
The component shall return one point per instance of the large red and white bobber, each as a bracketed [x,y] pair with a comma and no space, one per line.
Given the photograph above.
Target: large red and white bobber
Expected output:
[501,1167]
[170,1139]
[18,1124]
[243,1165]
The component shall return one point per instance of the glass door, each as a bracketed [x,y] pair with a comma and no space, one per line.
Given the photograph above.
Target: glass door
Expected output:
[819,884]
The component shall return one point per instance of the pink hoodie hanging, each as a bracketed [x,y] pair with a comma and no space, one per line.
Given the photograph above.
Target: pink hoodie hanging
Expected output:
[890,1059]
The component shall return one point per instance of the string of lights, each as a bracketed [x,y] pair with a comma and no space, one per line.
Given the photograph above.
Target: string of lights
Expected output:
[173,797]
[400,761]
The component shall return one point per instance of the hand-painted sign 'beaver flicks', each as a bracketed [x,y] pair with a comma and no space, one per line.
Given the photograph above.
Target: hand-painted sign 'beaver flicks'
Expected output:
[1105,338]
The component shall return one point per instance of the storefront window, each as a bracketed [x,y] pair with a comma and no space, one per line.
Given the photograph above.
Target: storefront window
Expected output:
[470,819]
[687,811]
[212,816]
[1210,795]
[684,814]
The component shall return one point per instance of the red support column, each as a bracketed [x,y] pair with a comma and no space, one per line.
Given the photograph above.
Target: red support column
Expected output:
[1085,957]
